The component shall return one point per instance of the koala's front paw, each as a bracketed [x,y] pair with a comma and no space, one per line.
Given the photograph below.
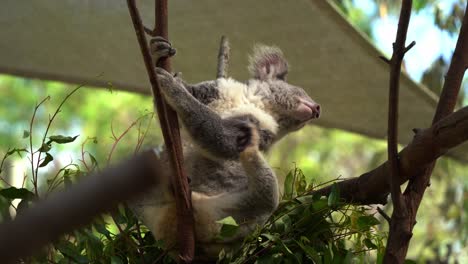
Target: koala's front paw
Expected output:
[160,48]
[241,130]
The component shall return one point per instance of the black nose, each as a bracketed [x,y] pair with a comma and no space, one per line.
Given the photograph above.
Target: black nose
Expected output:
[315,110]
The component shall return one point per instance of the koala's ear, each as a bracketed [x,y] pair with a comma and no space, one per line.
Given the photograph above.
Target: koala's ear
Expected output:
[268,63]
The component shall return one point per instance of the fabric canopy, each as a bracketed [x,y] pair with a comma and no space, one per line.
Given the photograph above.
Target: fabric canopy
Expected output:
[92,42]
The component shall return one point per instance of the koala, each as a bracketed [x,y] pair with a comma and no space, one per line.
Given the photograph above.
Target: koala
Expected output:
[228,126]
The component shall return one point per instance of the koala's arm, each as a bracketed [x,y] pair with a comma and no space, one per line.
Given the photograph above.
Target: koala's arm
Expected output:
[223,138]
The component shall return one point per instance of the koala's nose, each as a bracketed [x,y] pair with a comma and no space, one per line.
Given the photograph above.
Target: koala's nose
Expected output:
[315,110]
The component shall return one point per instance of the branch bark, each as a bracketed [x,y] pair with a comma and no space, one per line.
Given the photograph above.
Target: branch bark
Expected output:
[427,145]
[223,58]
[170,129]
[399,51]
[416,160]
[403,222]
[400,222]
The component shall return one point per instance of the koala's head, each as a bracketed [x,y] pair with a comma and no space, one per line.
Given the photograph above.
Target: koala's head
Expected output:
[291,107]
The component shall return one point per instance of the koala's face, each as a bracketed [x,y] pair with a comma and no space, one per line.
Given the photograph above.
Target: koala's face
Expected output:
[291,106]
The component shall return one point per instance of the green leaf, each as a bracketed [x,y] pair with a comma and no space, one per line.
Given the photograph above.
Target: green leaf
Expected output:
[289,186]
[100,226]
[334,197]
[369,244]
[229,227]
[61,139]
[26,134]
[45,147]
[70,251]
[310,252]
[410,261]
[269,259]
[116,260]
[94,246]
[300,181]
[366,221]
[15,150]
[93,161]
[15,193]
[48,158]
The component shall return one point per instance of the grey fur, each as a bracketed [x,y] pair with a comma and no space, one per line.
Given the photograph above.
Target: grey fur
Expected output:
[227,134]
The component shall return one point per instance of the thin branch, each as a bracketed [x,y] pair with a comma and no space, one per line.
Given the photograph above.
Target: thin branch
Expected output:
[31,152]
[394,86]
[223,58]
[49,124]
[383,214]
[170,130]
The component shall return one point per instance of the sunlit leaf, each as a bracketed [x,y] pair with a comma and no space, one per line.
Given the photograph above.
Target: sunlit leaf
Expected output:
[229,227]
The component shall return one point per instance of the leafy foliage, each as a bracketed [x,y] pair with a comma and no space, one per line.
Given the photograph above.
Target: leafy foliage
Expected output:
[308,228]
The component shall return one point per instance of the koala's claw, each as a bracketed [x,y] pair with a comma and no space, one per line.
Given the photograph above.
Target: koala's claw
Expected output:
[160,48]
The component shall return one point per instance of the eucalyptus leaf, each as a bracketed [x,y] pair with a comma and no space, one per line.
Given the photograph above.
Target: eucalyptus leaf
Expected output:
[289,185]
[229,227]
[48,158]
[45,147]
[61,139]
[334,197]
[17,193]
[366,221]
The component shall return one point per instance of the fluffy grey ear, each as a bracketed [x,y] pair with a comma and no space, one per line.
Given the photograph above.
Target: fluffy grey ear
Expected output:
[268,62]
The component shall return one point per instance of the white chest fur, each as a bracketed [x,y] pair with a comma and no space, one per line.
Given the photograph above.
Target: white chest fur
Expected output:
[237,98]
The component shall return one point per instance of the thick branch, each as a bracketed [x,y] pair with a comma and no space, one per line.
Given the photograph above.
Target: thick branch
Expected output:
[429,144]
[64,211]
[223,58]
[170,129]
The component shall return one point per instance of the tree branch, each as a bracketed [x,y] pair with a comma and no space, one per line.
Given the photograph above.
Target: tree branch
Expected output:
[395,70]
[427,145]
[223,58]
[170,129]
[400,215]
[401,231]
